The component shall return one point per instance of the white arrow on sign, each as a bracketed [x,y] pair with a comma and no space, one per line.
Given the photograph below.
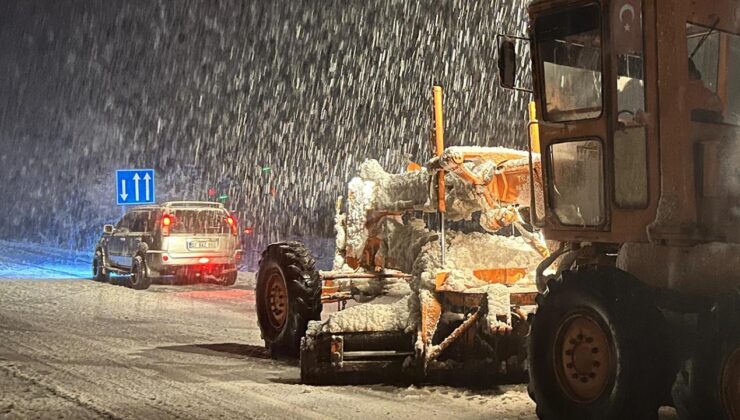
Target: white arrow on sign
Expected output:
[123,190]
[146,185]
[136,186]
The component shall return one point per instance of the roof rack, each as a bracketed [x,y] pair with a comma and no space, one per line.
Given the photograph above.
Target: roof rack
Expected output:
[142,207]
[172,204]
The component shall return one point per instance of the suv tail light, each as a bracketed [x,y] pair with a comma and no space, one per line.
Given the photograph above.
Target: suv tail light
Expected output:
[167,221]
[232,224]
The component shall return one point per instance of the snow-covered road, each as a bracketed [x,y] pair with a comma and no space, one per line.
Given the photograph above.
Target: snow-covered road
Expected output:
[74,348]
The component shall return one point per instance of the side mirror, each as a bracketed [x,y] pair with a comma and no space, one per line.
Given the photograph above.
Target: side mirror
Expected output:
[108,229]
[507,63]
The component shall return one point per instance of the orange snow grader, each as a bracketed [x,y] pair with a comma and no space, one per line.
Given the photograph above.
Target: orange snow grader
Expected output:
[640,162]
[465,297]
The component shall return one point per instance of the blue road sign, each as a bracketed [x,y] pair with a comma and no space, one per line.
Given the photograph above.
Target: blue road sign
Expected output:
[134,186]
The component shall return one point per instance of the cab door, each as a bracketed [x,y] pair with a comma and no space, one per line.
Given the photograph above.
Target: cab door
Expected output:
[570,69]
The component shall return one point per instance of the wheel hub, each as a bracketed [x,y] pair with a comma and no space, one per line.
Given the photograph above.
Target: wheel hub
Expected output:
[730,385]
[582,358]
[276,299]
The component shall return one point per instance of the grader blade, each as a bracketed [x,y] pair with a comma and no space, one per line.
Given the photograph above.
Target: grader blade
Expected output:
[357,358]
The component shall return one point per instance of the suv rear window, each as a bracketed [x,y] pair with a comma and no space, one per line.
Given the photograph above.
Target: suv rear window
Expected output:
[199,221]
[138,221]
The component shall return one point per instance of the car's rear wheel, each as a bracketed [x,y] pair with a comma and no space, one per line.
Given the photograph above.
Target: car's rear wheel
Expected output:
[98,267]
[138,279]
[229,279]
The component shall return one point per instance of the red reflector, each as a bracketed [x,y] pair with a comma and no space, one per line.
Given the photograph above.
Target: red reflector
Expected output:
[203,260]
[165,258]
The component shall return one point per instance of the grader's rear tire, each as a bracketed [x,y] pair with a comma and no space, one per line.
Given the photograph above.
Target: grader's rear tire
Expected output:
[708,386]
[594,349]
[288,295]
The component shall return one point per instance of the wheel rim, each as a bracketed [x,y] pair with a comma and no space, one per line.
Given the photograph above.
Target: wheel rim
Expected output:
[730,385]
[276,299]
[583,360]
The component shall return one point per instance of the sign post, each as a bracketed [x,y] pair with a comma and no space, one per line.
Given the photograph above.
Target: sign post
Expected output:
[134,186]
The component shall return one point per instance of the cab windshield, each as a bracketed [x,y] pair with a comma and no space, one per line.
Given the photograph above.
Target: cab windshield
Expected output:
[570,51]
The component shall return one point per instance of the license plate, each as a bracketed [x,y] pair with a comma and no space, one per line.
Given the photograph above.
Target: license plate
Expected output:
[202,244]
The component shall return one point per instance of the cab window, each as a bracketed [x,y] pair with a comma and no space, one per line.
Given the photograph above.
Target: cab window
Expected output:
[713,89]
[570,50]
[577,182]
[630,135]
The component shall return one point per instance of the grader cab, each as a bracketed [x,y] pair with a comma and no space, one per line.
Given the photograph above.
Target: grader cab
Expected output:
[454,304]
[639,130]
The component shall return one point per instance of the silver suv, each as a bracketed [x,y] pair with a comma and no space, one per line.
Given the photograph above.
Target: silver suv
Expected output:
[174,240]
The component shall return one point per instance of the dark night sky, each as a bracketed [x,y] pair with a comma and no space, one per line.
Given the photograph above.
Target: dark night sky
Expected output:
[209,90]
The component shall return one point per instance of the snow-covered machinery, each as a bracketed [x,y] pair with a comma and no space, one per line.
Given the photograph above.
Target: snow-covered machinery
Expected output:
[461,298]
[639,131]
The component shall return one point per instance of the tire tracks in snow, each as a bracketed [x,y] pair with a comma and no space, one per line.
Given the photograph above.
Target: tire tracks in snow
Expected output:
[12,261]
[58,392]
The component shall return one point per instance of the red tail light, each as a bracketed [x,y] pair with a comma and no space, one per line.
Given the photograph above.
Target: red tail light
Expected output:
[203,260]
[232,224]
[166,223]
[248,230]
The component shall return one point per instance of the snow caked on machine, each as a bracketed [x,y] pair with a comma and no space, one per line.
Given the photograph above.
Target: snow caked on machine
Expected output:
[461,298]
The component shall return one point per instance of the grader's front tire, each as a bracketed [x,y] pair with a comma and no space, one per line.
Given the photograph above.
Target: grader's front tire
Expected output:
[288,295]
[594,349]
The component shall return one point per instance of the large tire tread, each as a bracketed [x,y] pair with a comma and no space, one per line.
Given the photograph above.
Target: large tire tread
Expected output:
[696,391]
[304,296]
[642,380]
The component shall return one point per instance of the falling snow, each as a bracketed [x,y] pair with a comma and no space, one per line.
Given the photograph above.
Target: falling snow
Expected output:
[275,103]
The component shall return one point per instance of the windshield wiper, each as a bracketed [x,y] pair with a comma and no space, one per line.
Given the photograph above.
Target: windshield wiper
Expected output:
[704,38]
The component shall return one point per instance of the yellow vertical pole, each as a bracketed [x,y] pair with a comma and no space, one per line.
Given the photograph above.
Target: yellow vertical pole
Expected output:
[439,147]
[534,134]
